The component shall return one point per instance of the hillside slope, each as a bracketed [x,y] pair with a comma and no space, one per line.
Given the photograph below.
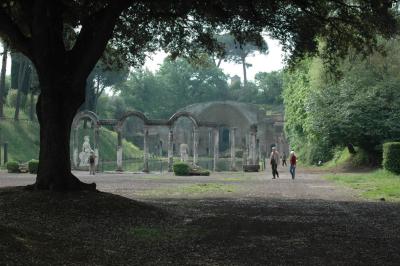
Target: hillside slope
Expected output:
[23,140]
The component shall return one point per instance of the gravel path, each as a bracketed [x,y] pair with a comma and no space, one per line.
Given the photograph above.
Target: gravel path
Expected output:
[258,185]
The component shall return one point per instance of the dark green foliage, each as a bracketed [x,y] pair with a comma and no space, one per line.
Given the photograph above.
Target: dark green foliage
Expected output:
[181,169]
[391,157]
[184,169]
[12,167]
[199,171]
[360,108]
[360,158]
[33,166]
[271,85]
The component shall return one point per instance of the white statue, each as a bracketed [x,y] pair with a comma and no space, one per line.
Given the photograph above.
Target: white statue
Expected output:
[184,150]
[85,153]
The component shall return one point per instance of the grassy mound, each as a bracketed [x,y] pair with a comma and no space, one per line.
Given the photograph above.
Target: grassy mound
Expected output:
[375,185]
[343,159]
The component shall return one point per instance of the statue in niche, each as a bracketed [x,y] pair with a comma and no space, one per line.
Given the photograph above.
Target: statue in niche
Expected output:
[184,150]
[85,153]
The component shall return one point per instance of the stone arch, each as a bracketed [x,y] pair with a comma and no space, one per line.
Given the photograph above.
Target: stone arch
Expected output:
[75,124]
[177,115]
[85,114]
[128,114]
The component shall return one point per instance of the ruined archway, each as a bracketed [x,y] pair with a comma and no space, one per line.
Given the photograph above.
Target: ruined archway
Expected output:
[77,161]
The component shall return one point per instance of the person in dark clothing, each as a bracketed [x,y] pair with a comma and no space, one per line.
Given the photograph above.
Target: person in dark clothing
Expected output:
[284,159]
[92,163]
[274,161]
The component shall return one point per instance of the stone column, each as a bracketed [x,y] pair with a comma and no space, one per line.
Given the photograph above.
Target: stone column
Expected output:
[75,148]
[252,148]
[232,137]
[145,149]
[258,151]
[160,143]
[195,145]
[216,147]
[119,149]
[209,142]
[244,151]
[96,145]
[170,149]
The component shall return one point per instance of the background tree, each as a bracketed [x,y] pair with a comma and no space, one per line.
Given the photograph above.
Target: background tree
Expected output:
[21,80]
[175,85]
[36,29]
[236,51]
[109,71]
[3,78]
[271,86]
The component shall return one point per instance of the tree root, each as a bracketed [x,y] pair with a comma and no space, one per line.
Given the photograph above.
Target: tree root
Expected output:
[69,183]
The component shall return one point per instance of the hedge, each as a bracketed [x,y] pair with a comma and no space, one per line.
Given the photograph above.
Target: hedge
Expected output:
[181,169]
[12,167]
[391,157]
[33,166]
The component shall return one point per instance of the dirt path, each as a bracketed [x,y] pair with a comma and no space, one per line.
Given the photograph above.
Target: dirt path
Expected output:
[243,185]
[250,219]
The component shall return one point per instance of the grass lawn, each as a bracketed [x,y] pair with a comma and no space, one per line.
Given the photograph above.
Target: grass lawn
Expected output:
[374,185]
[198,189]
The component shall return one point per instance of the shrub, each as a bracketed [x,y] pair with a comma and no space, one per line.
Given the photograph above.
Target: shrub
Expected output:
[391,157]
[12,167]
[33,166]
[199,171]
[361,158]
[184,169]
[181,169]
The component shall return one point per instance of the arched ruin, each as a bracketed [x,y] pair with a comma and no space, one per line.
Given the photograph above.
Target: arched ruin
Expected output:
[215,123]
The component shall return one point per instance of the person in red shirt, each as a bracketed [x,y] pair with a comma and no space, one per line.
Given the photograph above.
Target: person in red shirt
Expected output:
[293,160]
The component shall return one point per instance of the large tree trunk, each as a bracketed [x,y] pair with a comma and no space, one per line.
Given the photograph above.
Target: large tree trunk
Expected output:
[3,78]
[55,111]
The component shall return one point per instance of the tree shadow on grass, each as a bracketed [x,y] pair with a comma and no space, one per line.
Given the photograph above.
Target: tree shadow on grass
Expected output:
[105,229]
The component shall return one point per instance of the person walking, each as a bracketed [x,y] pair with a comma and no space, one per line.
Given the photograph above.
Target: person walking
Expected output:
[92,164]
[274,161]
[293,161]
[284,159]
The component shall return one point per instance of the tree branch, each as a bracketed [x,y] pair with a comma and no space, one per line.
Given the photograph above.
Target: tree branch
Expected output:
[95,33]
[11,32]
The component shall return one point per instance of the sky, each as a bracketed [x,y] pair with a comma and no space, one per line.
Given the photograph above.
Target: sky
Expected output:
[260,63]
